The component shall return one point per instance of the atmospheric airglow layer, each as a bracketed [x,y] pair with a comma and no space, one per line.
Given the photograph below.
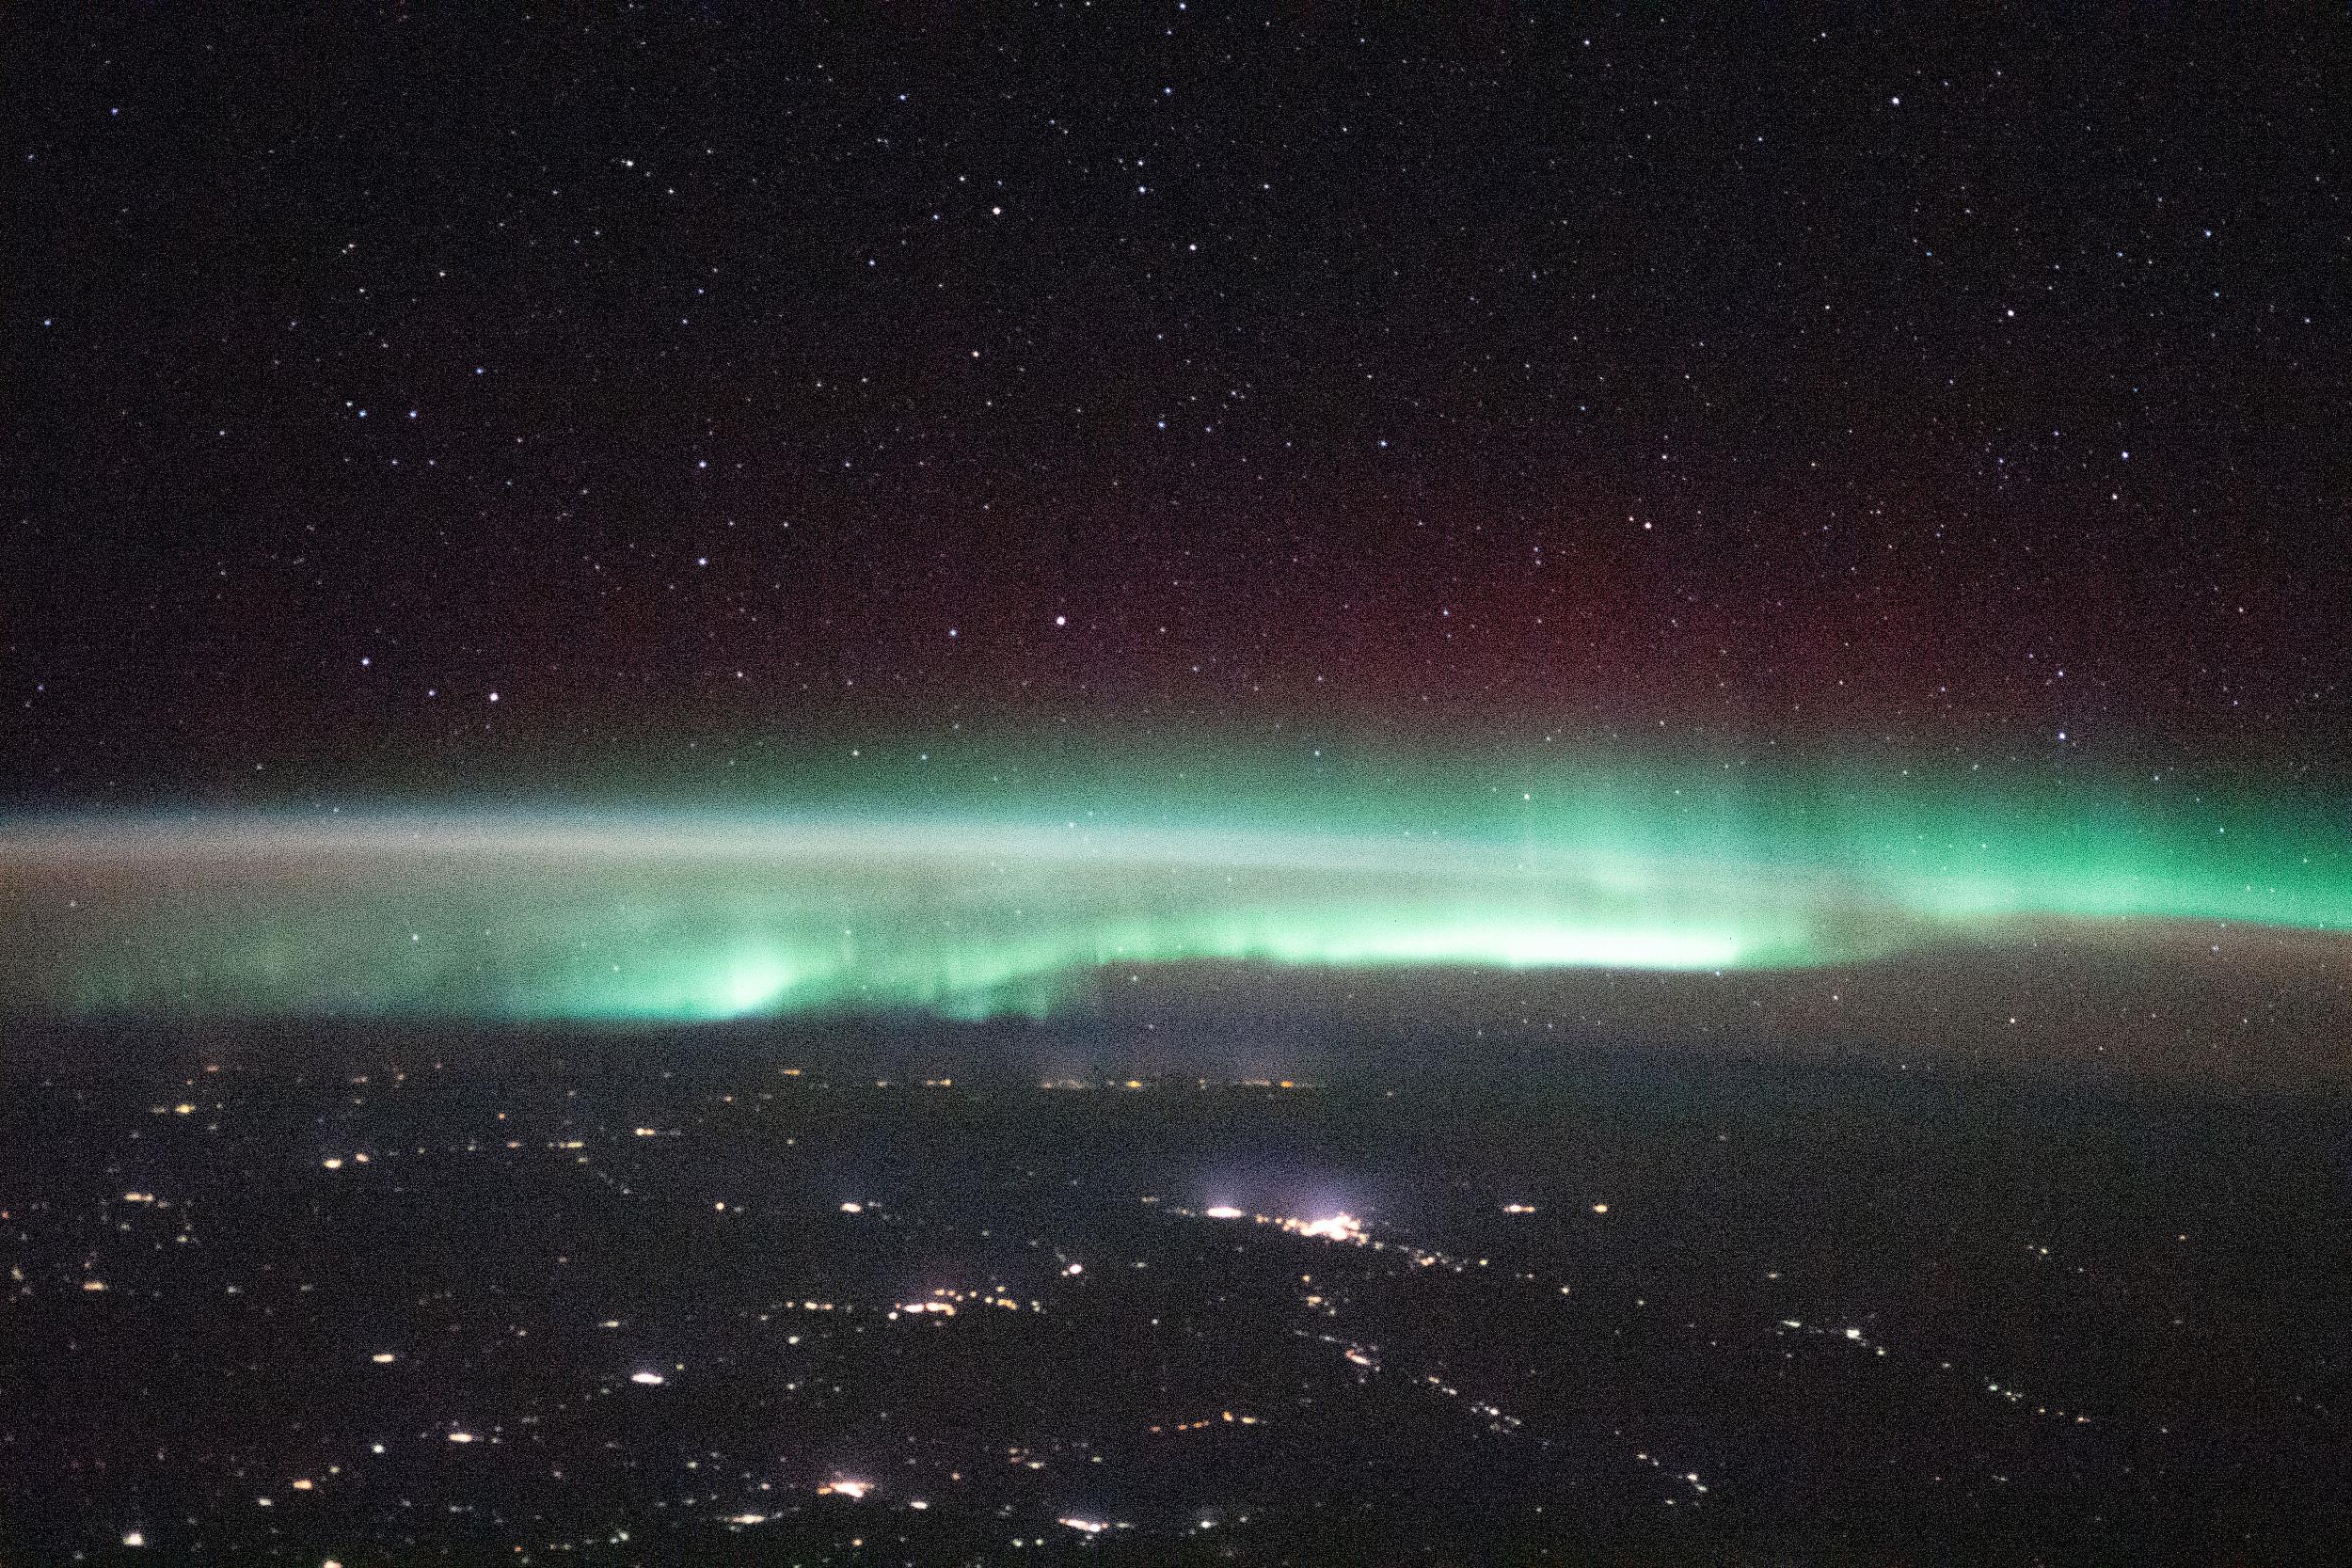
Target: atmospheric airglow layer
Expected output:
[970,907]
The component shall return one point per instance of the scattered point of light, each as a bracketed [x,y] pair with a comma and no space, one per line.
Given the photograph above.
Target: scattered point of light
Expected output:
[853,1490]
[1334,1227]
[134,1538]
[384,1357]
[1221,1211]
[854,1208]
[461,1436]
[332,1163]
[1600,1208]
[650,1380]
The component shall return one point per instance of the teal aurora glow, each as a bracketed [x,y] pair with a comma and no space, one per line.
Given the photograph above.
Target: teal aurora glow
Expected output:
[972,902]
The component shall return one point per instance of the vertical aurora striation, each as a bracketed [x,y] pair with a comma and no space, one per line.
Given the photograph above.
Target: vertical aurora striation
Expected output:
[1015,885]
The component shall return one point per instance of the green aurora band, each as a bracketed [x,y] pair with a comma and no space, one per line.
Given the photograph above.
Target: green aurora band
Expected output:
[1000,893]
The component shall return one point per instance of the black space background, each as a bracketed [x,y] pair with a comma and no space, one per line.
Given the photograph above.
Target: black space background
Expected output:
[1466,371]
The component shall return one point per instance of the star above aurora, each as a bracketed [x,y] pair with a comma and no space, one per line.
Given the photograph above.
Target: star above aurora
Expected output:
[1173,782]
[969,531]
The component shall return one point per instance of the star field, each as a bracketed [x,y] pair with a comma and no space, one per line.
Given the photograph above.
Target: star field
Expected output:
[393,395]
[1154,784]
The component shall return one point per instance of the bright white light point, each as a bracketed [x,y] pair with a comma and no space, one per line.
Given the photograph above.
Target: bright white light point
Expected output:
[1223,1211]
[854,1208]
[461,1436]
[651,1380]
[1518,1207]
[747,1518]
[1061,619]
[1600,1208]
[332,1163]
[918,1504]
[493,696]
[384,1358]
[134,1538]
[1092,1526]
[1075,1268]
[853,1490]
[1854,1334]
[1338,1227]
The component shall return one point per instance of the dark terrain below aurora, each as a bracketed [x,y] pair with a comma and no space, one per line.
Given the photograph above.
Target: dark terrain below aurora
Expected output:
[1245,1288]
[1077,783]
[1664,1173]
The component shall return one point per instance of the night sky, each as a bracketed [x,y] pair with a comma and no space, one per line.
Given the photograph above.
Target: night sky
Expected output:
[708,387]
[1150,784]
[675,516]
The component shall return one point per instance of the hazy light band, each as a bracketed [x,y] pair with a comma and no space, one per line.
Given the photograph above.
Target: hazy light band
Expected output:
[966,907]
